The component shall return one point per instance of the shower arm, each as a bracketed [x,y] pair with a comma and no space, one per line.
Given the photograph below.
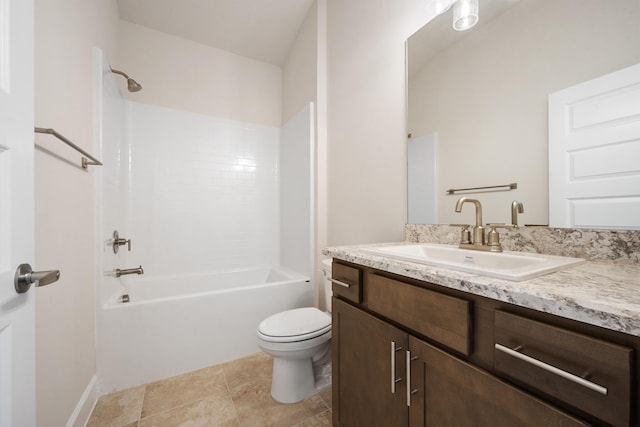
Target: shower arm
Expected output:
[132,85]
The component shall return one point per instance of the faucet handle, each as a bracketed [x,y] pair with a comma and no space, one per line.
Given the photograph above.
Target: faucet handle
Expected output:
[493,238]
[117,242]
[465,234]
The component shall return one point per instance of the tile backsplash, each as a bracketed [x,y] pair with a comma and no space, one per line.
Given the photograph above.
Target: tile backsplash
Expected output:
[594,245]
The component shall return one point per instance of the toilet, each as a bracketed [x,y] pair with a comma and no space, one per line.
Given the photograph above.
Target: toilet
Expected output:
[300,342]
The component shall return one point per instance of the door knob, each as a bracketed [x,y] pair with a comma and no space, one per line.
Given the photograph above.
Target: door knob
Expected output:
[25,277]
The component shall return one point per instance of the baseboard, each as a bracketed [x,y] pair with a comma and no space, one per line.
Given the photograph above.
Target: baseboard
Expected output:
[85,405]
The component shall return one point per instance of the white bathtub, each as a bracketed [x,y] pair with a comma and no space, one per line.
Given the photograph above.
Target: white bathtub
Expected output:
[177,324]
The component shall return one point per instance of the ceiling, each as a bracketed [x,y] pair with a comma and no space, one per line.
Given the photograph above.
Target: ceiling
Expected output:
[260,29]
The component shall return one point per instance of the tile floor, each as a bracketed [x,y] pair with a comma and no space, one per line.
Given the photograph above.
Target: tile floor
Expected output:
[236,394]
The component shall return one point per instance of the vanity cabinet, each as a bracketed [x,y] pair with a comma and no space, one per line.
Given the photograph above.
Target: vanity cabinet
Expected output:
[406,353]
[370,360]
[369,356]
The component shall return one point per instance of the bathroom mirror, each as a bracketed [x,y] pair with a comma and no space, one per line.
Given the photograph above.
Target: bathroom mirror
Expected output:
[479,97]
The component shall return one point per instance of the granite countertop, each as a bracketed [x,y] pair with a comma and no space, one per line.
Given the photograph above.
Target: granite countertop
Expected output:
[600,293]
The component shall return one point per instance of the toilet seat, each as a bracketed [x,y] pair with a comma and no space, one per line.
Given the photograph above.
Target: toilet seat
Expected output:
[295,325]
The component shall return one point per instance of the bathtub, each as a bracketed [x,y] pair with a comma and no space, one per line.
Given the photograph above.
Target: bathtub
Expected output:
[177,324]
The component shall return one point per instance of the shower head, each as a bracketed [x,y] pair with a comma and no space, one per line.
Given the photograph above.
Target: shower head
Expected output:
[132,85]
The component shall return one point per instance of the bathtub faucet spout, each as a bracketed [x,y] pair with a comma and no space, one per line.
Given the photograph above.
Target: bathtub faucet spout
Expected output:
[125,271]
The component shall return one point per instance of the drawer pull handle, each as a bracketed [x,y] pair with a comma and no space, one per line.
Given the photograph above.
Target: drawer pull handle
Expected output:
[550,368]
[409,390]
[339,283]
[394,380]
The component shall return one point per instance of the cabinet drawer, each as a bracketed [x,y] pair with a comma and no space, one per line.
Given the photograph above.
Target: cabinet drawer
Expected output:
[587,373]
[440,317]
[346,282]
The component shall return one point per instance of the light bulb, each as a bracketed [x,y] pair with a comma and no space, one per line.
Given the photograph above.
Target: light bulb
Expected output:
[465,14]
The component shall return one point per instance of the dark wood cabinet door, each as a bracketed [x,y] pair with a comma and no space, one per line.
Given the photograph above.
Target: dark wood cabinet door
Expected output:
[452,393]
[363,366]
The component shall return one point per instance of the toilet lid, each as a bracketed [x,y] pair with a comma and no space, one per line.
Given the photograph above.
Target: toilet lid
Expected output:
[296,322]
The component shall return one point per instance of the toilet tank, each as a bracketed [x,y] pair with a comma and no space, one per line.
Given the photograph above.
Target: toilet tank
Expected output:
[326,284]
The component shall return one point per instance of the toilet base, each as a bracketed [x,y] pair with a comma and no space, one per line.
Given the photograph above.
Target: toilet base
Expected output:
[294,380]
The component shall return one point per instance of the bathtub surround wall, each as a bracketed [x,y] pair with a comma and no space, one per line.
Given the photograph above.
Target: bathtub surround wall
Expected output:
[595,245]
[209,194]
[202,193]
[297,210]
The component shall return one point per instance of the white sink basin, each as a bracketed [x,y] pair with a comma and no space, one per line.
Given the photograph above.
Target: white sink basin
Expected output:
[516,266]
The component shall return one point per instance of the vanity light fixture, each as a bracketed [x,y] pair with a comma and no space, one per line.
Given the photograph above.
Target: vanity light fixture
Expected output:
[465,14]
[441,6]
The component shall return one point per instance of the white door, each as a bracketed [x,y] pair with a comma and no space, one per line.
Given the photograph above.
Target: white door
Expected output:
[17,345]
[594,153]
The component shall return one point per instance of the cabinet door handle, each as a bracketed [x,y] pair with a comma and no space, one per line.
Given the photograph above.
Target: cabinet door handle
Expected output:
[394,380]
[339,283]
[409,390]
[550,368]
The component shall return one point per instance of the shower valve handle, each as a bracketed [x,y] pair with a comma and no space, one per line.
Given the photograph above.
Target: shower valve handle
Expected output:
[117,242]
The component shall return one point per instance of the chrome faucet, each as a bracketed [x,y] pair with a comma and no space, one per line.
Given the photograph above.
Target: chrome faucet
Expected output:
[493,238]
[516,208]
[478,230]
[125,271]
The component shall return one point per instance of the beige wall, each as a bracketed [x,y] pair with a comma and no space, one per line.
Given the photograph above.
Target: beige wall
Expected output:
[65,33]
[300,68]
[366,117]
[178,73]
[486,96]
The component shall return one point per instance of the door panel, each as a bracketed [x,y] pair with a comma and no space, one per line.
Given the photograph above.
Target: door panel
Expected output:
[362,370]
[17,346]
